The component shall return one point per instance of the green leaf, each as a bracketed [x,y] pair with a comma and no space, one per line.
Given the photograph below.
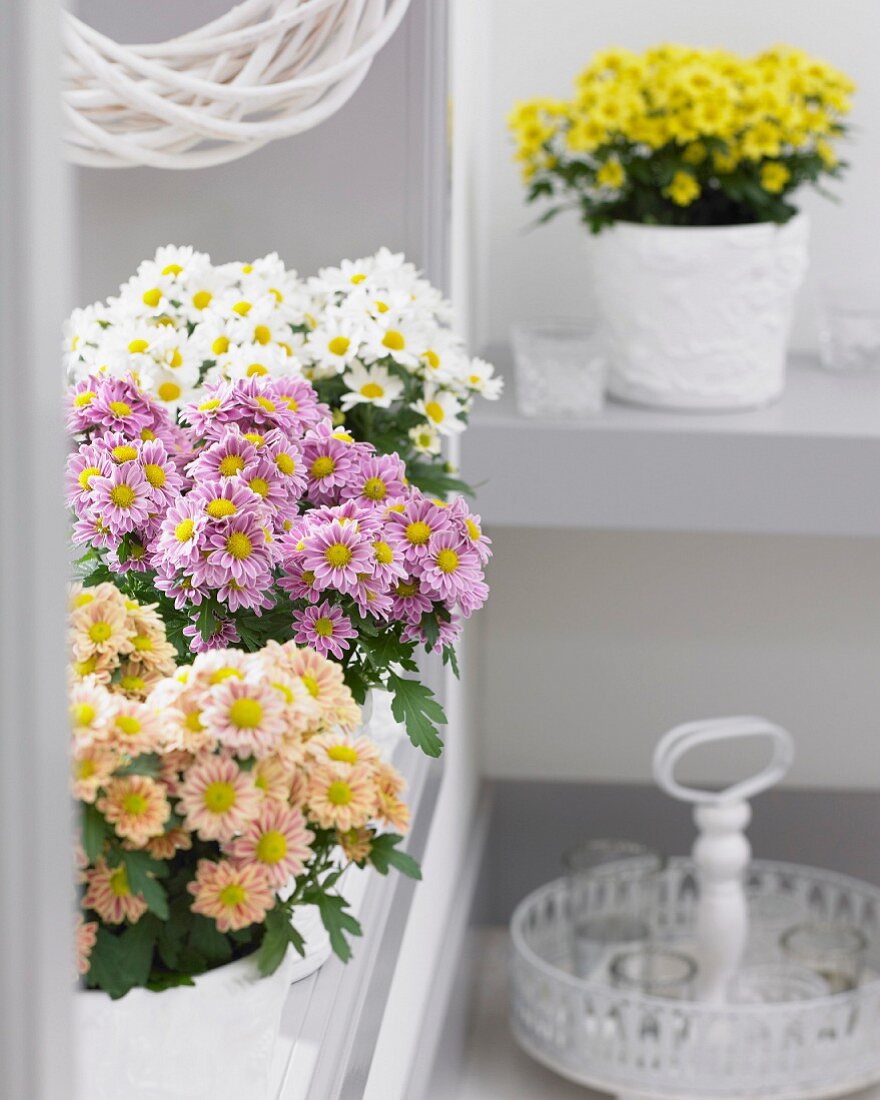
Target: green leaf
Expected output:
[210,943]
[384,855]
[275,941]
[337,922]
[450,658]
[146,764]
[206,621]
[141,870]
[433,479]
[94,833]
[120,962]
[165,980]
[414,705]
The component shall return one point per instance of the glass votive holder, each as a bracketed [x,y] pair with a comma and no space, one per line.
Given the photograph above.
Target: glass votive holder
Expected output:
[835,952]
[655,971]
[849,328]
[775,983]
[611,892]
[561,369]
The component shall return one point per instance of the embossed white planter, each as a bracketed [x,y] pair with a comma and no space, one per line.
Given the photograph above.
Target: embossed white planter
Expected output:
[698,318]
[212,1039]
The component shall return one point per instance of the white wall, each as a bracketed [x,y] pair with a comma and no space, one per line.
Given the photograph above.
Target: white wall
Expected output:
[535,47]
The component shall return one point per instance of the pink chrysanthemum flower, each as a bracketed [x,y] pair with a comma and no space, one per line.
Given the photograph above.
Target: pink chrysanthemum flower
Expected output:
[473,597]
[239,552]
[109,895]
[225,635]
[246,716]
[336,553]
[83,466]
[161,472]
[136,807]
[388,567]
[300,398]
[450,566]
[377,480]
[123,500]
[224,499]
[119,406]
[416,523]
[277,840]
[329,464]
[231,456]
[288,460]
[232,896]
[409,603]
[473,528]
[324,627]
[218,799]
[85,935]
[341,797]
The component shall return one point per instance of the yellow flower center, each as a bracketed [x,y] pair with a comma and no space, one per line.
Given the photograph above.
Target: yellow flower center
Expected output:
[124,453]
[232,895]
[128,724]
[147,435]
[82,714]
[223,674]
[185,530]
[87,667]
[372,389]
[85,769]
[311,685]
[472,529]
[137,347]
[143,643]
[271,847]
[383,552]
[255,438]
[152,297]
[100,631]
[154,474]
[239,545]
[375,488]
[447,560]
[220,508]
[276,294]
[418,533]
[122,496]
[432,358]
[86,475]
[132,683]
[169,391]
[308,576]
[231,465]
[407,588]
[393,340]
[262,335]
[357,278]
[219,797]
[260,486]
[339,345]
[343,754]
[202,299]
[85,398]
[324,627]
[266,404]
[256,370]
[246,714]
[172,269]
[285,463]
[339,793]
[209,405]
[323,466]
[220,345]
[176,359]
[120,408]
[337,555]
[242,308]
[193,721]
[119,882]
[135,804]
[435,411]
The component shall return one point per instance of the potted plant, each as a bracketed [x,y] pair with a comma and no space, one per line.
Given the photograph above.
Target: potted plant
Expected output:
[683,163]
[219,804]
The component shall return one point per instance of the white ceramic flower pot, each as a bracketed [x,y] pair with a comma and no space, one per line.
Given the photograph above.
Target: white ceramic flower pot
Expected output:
[212,1039]
[698,318]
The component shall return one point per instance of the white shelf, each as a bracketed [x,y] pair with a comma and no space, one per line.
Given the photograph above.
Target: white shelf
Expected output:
[807,465]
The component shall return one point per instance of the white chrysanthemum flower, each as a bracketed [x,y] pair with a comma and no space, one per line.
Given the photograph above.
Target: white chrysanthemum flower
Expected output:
[370,386]
[425,439]
[349,274]
[443,361]
[334,342]
[481,378]
[82,327]
[395,335]
[441,408]
[257,360]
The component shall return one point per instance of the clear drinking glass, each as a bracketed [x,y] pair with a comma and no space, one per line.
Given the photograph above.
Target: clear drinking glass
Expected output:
[655,971]
[849,328]
[561,369]
[611,890]
[836,952]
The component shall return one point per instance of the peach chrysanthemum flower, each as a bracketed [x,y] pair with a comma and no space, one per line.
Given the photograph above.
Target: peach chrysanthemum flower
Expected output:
[164,846]
[136,807]
[389,779]
[109,895]
[324,682]
[232,896]
[136,680]
[356,844]
[217,666]
[277,840]
[98,627]
[172,765]
[91,766]
[390,810]
[135,727]
[272,777]
[100,668]
[341,748]
[341,797]
[91,709]
[218,799]
[181,708]
[245,716]
[85,934]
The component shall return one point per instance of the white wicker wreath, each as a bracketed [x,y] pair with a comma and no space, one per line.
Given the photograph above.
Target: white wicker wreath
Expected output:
[265,70]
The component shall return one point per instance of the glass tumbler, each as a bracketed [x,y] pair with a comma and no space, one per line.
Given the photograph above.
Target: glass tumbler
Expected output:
[849,328]
[836,952]
[611,892]
[561,369]
[655,971]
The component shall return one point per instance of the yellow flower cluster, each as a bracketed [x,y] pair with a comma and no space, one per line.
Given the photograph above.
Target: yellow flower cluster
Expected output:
[713,108]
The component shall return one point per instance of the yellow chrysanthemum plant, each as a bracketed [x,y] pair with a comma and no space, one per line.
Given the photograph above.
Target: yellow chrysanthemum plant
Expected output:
[685,136]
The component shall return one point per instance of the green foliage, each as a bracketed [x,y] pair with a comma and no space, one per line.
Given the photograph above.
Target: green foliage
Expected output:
[121,961]
[338,922]
[384,855]
[415,706]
